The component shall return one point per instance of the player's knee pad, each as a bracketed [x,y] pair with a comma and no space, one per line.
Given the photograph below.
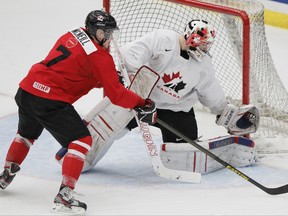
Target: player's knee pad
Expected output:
[19,149]
[80,147]
[20,139]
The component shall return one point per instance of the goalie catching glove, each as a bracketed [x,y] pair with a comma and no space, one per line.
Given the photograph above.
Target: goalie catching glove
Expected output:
[147,113]
[239,120]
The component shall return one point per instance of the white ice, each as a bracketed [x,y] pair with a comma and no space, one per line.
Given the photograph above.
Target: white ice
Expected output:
[123,183]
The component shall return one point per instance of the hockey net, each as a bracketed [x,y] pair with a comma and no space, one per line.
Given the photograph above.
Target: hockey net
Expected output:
[241,56]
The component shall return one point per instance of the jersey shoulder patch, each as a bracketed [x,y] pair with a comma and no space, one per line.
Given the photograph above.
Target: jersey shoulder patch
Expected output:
[86,43]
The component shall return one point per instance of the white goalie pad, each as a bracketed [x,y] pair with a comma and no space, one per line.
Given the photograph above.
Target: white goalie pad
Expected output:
[235,150]
[107,125]
[240,120]
[106,121]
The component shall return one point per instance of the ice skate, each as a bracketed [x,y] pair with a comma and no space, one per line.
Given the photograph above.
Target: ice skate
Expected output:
[65,203]
[8,175]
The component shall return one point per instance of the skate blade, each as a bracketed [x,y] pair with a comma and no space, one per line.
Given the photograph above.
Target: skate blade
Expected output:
[59,208]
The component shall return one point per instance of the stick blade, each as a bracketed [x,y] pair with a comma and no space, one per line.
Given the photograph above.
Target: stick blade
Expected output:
[179,175]
[276,191]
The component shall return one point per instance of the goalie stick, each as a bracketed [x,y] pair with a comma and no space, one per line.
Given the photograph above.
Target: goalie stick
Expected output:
[159,168]
[272,191]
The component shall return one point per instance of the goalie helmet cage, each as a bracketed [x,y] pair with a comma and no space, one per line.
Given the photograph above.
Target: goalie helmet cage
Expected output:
[241,56]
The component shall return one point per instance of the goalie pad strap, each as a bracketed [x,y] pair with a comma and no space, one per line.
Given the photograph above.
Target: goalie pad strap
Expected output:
[209,144]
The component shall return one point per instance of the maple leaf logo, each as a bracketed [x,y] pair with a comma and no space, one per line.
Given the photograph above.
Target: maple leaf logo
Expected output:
[167,78]
[174,81]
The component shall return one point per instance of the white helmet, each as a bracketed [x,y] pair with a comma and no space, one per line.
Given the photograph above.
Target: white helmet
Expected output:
[199,36]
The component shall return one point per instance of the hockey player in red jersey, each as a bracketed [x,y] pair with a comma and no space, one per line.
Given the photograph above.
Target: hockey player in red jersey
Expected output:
[78,62]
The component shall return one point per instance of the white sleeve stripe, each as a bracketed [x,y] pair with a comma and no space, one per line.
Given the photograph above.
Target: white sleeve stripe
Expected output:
[77,153]
[84,145]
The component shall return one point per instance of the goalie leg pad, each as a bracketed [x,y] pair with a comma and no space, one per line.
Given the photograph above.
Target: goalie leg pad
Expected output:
[243,156]
[100,148]
[194,161]
[107,126]
[239,152]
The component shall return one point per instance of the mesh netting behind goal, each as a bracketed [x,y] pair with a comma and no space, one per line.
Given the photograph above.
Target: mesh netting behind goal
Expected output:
[265,89]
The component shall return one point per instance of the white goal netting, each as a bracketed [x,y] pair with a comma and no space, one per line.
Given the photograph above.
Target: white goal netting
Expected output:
[265,90]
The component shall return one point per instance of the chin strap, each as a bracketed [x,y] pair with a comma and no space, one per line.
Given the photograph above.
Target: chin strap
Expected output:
[101,42]
[195,53]
[95,38]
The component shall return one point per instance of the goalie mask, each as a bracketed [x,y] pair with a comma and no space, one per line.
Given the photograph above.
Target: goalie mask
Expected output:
[99,19]
[199,36]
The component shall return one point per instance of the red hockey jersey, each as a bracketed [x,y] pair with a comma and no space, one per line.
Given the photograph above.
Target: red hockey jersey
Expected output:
[75,65]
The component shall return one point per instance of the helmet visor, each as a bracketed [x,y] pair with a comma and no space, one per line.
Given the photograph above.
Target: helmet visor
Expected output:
[111,33]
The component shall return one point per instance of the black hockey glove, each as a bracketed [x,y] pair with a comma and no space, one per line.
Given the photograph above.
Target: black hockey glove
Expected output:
[147,113]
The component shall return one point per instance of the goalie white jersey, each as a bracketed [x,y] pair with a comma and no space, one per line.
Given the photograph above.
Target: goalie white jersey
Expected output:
[183,81]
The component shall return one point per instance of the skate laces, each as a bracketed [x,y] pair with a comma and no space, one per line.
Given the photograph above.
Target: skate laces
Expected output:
[13,169]
[65,202]
[67,194]
[7,176]
[10,171]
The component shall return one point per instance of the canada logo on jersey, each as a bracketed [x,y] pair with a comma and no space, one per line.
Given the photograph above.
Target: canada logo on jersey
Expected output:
[173,81]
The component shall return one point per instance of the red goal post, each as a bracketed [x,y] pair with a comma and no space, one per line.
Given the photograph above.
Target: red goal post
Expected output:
[241,56]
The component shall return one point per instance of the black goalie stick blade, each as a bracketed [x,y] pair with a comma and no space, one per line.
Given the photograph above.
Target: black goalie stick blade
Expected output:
[276,191]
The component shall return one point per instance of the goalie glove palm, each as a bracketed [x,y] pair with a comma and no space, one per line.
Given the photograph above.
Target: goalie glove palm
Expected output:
[239,120]
[147,113]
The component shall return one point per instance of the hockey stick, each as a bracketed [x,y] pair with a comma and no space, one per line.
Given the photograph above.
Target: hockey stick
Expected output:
[272,191]
[151,147]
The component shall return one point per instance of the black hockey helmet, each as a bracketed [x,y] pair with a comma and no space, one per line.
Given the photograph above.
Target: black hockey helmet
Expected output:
[99,19]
